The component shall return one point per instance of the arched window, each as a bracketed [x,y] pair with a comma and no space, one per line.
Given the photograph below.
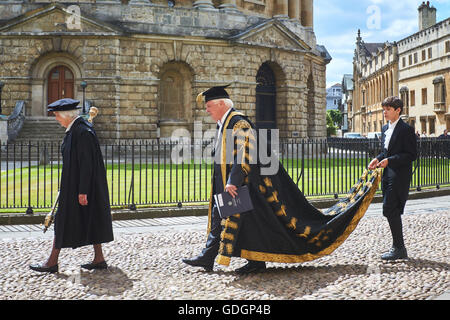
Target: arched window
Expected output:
[171,103]
[439,94]
[175,98]
[310,107]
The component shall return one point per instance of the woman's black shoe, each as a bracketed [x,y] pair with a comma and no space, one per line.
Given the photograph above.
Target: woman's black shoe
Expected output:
[42,268]
[91,266]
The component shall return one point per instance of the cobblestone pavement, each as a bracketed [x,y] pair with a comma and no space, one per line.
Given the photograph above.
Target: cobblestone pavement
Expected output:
[145,263]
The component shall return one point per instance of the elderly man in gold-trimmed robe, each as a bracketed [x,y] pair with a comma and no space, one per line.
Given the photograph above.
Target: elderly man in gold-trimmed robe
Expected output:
[220,107]
[283,226]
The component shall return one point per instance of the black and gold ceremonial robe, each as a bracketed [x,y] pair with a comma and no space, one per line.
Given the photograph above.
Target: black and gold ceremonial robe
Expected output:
[284,226]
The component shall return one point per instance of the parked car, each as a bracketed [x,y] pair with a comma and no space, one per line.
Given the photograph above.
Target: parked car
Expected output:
[373,135]
[353,135]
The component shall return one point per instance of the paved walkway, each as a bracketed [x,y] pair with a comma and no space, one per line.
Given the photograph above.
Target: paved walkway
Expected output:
[145,263]
[418,206]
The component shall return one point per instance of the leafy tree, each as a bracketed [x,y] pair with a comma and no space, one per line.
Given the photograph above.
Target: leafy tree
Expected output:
[336,116]
[331,129]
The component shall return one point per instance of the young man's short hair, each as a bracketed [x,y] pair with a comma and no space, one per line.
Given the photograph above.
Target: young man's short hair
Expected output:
[394,102]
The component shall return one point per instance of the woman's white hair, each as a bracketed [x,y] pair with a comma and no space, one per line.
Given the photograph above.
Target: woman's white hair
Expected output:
[69,113]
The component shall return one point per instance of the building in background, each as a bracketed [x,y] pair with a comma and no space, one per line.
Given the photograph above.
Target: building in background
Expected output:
[334,97]
[347,101]
[375,71]
[416,68]
[424,74]
[144,62]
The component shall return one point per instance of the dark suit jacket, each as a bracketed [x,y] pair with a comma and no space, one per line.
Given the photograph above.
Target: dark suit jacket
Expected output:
[401,152]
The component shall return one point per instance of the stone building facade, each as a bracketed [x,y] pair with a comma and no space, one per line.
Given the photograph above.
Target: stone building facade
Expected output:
[144,63]
[424,78]
[375,73]
[416,68]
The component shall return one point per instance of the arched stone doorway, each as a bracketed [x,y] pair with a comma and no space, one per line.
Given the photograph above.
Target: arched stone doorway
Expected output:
[41,74]
[60,84]
[266,98]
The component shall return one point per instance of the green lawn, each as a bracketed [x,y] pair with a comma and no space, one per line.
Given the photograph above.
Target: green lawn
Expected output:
[165,183]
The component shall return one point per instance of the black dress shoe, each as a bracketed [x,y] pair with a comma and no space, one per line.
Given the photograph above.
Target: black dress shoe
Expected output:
[200,261]
[43,268]
[91,266]
[395,253]
[252,267]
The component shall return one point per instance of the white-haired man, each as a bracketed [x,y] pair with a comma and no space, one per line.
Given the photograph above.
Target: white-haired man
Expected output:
[84,214]
[220,108]
[282,226]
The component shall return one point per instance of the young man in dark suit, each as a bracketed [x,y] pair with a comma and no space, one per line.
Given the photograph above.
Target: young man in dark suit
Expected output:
[399,150]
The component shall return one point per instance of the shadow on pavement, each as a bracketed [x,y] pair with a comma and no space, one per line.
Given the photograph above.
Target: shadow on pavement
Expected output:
[112,281]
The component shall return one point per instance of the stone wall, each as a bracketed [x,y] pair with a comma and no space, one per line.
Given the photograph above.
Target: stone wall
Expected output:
[123,72]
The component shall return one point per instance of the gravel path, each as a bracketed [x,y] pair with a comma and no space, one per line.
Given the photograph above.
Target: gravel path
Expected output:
[148,266]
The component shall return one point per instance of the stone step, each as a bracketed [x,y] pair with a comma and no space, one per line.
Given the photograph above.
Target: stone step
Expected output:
[42,129]
[44,135]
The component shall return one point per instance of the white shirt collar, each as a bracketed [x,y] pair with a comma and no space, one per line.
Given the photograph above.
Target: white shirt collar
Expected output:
[70,125]
[393,124]
[221,121]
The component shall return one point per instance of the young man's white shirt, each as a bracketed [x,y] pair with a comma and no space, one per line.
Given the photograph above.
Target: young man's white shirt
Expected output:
[388,133]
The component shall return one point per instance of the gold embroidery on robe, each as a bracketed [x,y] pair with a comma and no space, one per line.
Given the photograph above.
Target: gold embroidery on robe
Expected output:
[292,224]
[292,258]
[305,233]
[273,198]
[282,211]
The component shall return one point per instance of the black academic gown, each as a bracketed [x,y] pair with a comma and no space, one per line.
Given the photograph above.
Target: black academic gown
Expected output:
[83,172]
[284,226]
[401,152]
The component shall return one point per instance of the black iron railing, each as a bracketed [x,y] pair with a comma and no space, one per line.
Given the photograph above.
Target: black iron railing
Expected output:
[151,172]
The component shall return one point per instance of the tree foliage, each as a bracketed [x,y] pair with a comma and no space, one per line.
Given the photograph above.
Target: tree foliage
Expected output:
[334,120]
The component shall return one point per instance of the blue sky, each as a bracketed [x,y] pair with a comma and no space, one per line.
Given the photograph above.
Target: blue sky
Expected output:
[336,23]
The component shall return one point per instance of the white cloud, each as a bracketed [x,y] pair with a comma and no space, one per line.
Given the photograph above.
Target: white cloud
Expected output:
[400,28]
[337,68]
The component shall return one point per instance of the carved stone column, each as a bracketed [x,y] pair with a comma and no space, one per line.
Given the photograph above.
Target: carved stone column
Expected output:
[307,13]
[281,8]
[294,9]
[131,1]
[229,6]
[120,2]
[204,5]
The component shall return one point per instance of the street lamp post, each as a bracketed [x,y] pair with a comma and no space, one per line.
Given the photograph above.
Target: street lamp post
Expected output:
[83,86]
[1,88]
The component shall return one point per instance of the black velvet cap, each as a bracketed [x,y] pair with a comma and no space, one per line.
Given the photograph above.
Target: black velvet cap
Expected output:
[65,104]
[217,92]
